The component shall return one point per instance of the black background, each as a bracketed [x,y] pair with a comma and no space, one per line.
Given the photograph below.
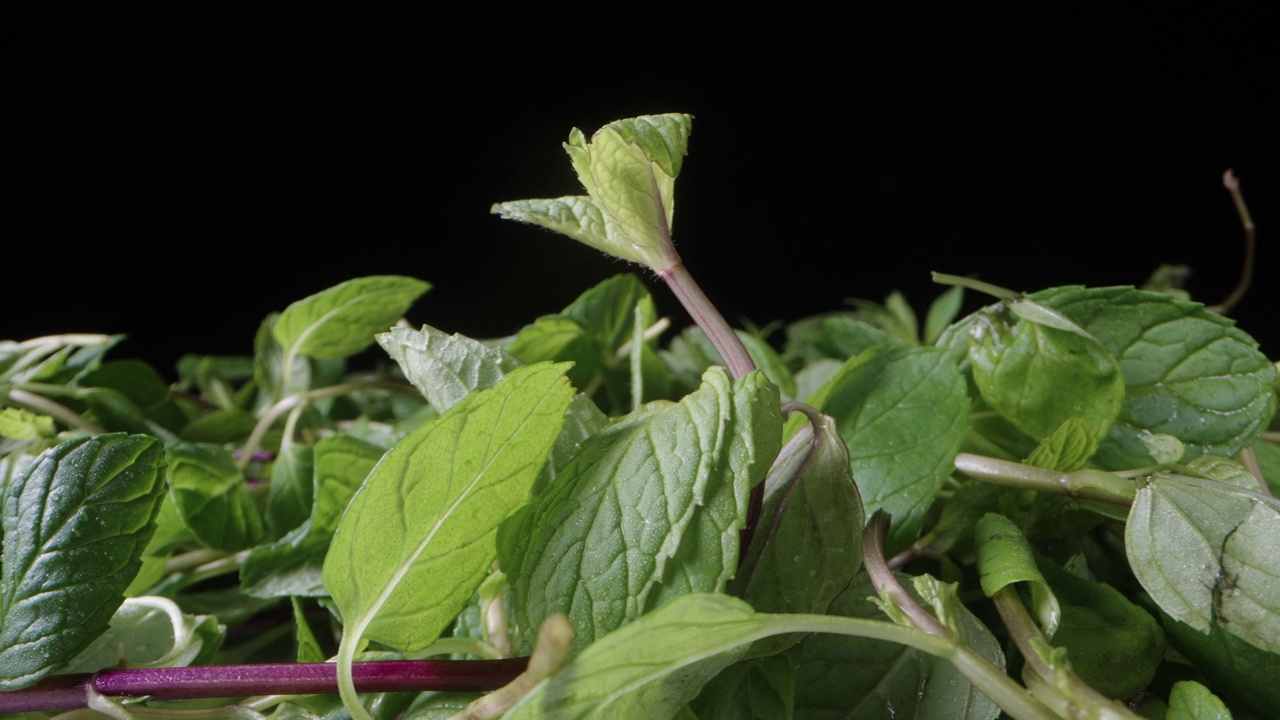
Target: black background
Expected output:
[177,172]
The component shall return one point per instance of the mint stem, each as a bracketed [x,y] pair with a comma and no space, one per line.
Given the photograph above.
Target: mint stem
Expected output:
[67,692]
[700,309]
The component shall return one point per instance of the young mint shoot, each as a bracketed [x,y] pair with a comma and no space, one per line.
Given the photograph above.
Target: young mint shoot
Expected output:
[1057,505]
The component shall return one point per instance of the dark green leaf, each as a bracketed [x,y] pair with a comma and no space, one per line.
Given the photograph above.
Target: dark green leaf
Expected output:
[211,496]
[903,412]
[1188,372]
[75,524]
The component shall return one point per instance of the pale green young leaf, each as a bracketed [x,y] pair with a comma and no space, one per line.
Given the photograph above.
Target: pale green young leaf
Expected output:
[1189,700]
[417,538]
[854,678]
[664,138]
[292,565]
[345,319]
[1038,376]
[1068,448]
[1188,372]
[577,216]
[212,497]
[903,412]
[22,424]
[75,523]
[633,192]
[1205,552]
[649,509]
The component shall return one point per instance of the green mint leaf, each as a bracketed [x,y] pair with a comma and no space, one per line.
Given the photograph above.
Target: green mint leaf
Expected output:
[560,339]
[1205,552]
[942,312]
[75,523]
[648,510]
[1113,645]
[1189,700]
[852,677]
[628,169]
[292,565]
[651,667]
[308,646]
[1067,448]
[1037,376]
[1188,372]
[144,393]
[289,496]
[211,496]
[903,412]
[1005,557]
[1236,670]
[833,336]
[445,368]
[417,538]
[808,545]
[762,689]
[346,318]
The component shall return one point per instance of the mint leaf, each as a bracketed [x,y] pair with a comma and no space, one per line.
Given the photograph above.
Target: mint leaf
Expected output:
[292,565]
[1189,700]
[1205,552]
[649,668]
[416,539]
[75,523]
[211,496]
[648,510]
[1038,376]
[1188,372]
[808,546]
[839,676]
[344,319]
[1005,557]
[903,412]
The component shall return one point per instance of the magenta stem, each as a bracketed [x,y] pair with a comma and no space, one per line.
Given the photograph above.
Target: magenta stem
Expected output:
[67,692]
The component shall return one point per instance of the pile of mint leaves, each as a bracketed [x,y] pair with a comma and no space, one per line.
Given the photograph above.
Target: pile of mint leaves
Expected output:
[1055,506]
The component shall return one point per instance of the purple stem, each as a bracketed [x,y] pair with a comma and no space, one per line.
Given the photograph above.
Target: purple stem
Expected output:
[67,692]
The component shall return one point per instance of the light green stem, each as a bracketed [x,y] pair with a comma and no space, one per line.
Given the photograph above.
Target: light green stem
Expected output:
[1086,484]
